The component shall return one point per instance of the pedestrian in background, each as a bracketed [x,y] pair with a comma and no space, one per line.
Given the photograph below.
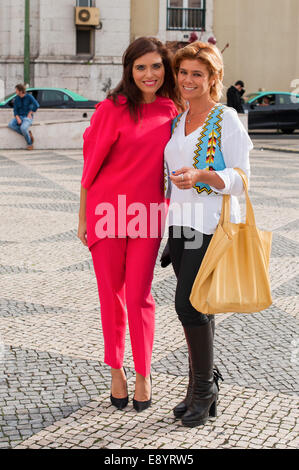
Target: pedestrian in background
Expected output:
[123,156]
[24,108]
[234,96]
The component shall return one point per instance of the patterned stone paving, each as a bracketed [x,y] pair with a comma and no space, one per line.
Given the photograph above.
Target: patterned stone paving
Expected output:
[54,387]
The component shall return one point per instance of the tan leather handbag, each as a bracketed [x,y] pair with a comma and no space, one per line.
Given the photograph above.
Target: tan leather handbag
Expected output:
[234,274]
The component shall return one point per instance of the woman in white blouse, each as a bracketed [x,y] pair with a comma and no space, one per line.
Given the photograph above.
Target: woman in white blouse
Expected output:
[207,143]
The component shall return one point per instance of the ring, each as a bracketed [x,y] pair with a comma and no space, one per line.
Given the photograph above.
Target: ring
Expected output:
[182,176]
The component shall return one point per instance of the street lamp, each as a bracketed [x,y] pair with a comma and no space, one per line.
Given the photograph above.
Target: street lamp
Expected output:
[27,43]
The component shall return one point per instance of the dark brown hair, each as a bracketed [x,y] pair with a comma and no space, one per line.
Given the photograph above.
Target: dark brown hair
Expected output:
[127,86]
[21,87]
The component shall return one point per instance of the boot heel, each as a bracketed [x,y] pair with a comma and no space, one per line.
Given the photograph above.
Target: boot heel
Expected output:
[213,410]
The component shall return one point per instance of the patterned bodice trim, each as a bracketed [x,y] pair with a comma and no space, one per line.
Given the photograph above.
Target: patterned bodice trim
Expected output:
[207,154]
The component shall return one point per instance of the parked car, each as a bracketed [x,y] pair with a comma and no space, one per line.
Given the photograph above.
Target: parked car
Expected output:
[53,98]
[272,110]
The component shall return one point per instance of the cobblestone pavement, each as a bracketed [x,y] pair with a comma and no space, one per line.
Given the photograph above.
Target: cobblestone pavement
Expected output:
[54,386]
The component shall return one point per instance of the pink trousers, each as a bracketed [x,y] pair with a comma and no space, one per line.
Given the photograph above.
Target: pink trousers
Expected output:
[124,270]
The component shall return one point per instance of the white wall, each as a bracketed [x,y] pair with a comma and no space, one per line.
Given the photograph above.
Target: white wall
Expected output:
[53,45]
[263,42]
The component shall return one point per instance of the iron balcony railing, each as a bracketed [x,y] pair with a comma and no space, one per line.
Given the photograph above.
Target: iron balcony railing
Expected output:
[186,18]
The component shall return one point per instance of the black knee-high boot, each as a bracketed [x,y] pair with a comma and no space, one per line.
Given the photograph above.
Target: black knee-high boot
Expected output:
[203,403]
[212,320]
[182,407]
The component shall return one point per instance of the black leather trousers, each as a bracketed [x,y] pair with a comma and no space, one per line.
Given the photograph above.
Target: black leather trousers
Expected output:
[187,248]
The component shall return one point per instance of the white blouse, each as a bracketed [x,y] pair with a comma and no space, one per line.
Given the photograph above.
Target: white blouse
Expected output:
[202,211]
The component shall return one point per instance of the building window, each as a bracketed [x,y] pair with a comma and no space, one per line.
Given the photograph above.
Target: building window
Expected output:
[84,3]
[186,14]
[84,41]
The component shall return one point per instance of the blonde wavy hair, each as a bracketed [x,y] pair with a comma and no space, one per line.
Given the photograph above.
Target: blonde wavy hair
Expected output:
[208,54]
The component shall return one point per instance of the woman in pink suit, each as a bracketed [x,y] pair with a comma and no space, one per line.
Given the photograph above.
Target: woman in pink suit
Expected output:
[121,188]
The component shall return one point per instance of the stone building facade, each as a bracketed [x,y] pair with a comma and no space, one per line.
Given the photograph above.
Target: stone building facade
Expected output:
[54,57]
[259,39]
[55,60]
[262,36]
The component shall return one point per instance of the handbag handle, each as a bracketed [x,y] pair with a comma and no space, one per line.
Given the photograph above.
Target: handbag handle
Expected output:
[225,212]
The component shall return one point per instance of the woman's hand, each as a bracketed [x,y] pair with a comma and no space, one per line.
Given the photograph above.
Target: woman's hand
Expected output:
[82,232]
[186,177]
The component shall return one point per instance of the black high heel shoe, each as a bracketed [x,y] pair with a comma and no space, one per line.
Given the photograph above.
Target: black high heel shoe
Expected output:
[120,403]
[143,405]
